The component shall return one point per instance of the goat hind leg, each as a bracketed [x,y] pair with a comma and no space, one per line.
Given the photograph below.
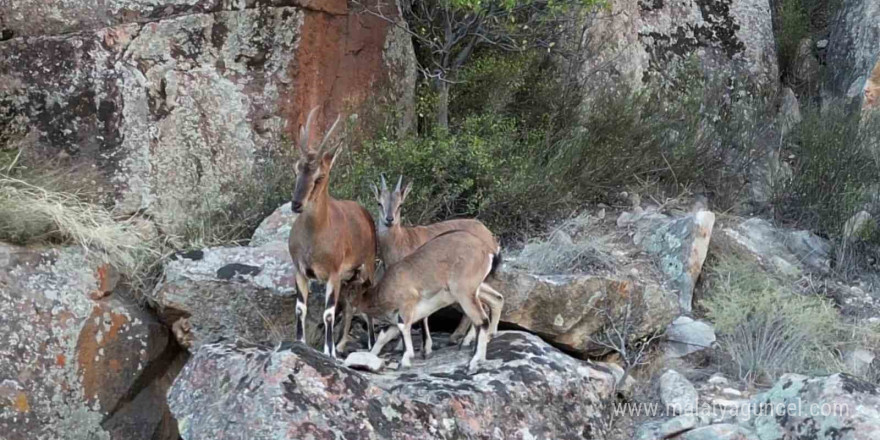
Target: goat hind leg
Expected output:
[427,342]
[495,301]
[474,310]
[459,333]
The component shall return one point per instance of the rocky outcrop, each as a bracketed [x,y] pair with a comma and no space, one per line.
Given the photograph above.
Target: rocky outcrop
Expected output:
[577,312]
[679,245]
[73,367]
[853,55]
[635,39]
[526,389]
[685,336]
[234,293]
[179,106]
[788,252]
[677,393]
[803,408]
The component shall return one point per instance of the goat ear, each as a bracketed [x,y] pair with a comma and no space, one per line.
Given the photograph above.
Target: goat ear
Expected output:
[375,192]
[330,157]
[406,190]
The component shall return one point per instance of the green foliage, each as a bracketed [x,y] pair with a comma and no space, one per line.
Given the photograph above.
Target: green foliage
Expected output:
[766,328]
[833,170]
[794,26]
[483,170]
[691,135]
[795,20]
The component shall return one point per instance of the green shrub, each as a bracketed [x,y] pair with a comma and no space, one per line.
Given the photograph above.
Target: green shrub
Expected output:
[766,328]
[793,26]
[693,132]
[833,170]
[484,170]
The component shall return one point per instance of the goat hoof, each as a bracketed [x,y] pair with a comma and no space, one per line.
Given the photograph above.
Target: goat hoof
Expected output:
[473,369]
[427,355]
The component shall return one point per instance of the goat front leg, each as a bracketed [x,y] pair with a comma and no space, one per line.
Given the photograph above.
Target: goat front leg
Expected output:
[331,297]
[371,332]
[302,297]
[385,337]
[405,327]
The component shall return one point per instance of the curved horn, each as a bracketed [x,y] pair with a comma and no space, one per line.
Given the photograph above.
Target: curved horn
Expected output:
[304,132]
[384,185]
[329,132]
[399,180]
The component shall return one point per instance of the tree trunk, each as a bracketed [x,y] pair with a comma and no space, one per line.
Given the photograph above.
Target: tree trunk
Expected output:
[442,88]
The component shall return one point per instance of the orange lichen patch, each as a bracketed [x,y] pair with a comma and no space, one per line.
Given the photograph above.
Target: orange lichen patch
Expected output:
[60,360]
[872,89]
[116,37]
[115,366]
[339,63]
[108,277]
[21,403]
[95,369]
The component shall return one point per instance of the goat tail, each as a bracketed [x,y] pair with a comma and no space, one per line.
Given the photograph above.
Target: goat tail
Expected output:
[496,262]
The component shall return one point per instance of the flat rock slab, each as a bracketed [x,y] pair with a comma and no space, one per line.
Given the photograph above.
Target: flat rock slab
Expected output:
[362,360]
[526,389]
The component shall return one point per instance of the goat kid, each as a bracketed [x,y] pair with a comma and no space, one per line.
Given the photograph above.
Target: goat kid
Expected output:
[396,242]
[448,269]
[331,240]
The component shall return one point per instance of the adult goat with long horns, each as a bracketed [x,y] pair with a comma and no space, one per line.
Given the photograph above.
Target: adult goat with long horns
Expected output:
[331,240]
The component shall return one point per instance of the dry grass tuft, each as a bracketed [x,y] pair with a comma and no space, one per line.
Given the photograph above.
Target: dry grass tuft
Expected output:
[30,214]
[767,328]
[568,249]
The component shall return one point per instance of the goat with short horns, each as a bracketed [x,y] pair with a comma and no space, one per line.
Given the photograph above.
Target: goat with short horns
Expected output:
[448,269]
[397,241]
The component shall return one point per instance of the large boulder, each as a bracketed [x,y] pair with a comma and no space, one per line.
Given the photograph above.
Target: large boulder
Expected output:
[679,244]
[853,55]
[633,40]
[785,251]
[73,367]
[578,312]
[526,389]
[177,108]
[801,408]
[237,292]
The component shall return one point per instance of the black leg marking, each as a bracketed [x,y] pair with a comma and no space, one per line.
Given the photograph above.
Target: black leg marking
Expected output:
[300,331]
[371,333]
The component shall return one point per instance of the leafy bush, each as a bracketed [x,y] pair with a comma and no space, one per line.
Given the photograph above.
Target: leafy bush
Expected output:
[793,21]
[767,329]
[483,170]
[697,133]
[793,26]
[834,170]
